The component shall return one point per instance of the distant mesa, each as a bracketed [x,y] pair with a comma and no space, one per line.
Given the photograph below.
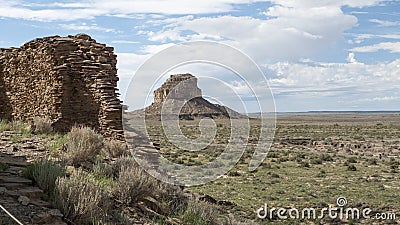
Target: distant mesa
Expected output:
[180,96]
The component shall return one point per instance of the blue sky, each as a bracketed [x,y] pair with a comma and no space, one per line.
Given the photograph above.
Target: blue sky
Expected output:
[316,54]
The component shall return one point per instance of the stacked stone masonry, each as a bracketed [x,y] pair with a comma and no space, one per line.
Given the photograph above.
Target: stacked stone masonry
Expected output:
[71,80]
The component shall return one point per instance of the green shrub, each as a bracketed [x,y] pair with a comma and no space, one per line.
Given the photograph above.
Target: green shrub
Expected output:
[24,129]
[352,160]
[172,195]
[274,175]
[55,144]
[351,167]
[5,126]
[4,167]
[394,164]
[81,199]
[103,170]
[304,164]
[326,157]
[283,159]
[316,161]
[372,161]
[44,173]
[322,173]
[272,154]
[83,145]
[234,173]
[200,213]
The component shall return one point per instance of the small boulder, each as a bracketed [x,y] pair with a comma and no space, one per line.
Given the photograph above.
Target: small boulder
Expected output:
[24,200]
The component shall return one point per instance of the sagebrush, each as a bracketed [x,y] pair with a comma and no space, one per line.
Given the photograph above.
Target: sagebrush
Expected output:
[83,145]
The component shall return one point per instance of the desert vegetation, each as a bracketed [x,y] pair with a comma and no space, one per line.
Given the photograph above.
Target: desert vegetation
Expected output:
[314,159]
[92,180]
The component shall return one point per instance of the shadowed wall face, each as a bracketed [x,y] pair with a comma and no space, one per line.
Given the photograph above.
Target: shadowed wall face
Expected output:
[71,80]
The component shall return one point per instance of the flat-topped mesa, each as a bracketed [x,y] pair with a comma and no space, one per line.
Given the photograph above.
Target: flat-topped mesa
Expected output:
[179,87]
[181,95]
[70,80]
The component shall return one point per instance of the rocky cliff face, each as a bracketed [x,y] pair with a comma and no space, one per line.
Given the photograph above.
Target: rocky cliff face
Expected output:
[180,87]
[181,95]
[71,80]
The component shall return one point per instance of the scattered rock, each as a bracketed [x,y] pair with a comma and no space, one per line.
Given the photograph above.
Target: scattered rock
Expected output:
[31,192]
[70,170]
[42,218]
[24,200]
[207,198]
[2,190]
[226,203]
[156,206]
[19,180]
[56,212]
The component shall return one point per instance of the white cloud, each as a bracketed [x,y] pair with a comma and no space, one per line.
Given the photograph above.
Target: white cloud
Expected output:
[16,10]
[153,49]
[322,3]
[290,34]
[393,47]
[385,23]
[385,98]
[359,38]
[87,27]
[124,42]
[335,85]
[351,58]
[128,64]
[313,76]
[80,9]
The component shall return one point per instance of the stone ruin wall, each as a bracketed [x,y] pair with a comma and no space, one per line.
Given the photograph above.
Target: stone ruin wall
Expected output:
[71,80]
[185,91]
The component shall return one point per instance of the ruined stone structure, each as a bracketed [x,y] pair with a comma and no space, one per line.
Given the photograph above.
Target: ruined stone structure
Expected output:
[71,80]
[182,95]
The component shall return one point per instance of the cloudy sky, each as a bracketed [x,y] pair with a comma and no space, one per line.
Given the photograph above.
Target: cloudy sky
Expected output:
[316,54]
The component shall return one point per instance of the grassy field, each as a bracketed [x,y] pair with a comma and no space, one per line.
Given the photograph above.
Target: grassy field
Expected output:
[314,159]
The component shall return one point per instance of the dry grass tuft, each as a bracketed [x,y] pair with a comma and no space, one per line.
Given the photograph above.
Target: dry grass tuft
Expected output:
[42,125]
[200,213]
[115,148]
[83,145]
[133,184]
[81,199]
